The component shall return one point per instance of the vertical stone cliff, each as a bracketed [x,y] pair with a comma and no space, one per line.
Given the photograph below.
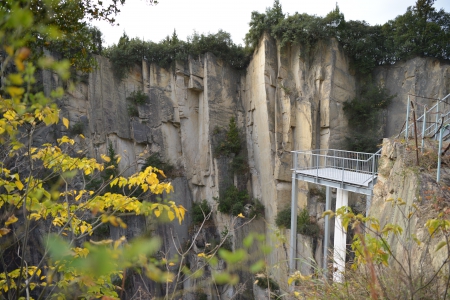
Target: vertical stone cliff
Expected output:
[424,79]
[285,100]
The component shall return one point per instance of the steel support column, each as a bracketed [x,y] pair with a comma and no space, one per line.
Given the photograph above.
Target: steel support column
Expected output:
[340,239]
[438,176]
[407,122]
[326,239]
[293,241]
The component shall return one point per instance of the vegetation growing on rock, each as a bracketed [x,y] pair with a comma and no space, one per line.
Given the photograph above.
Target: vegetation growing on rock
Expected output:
[199,211]
[364,114]
[304,224]
[231,142]
[155,160]
[421,31]
[137,97]
[129,52]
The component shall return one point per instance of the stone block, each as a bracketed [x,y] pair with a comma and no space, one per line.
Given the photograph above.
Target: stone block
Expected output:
[196,68]
[138,131]
[283,164]
[181,68]
[195,83]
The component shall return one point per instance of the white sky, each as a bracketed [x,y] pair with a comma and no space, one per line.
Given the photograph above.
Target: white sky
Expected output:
[154,23]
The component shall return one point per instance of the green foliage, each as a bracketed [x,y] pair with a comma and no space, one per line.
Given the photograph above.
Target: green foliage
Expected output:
[231,143]
[258,209]
[74,261]
[137,97]
[124,55]
[262,22]
[304,224]
[199,211]
[264,281]
[65,265]
[111,166]
[364,115]
[155,160]
[283,219]
[307,30]
[77,128]
[132,110]
[129,52]
[237,208]
[420,31]
[318,192]
[98,182]
[227,243]
[233,201]
[239,164]
[67,34]
[201,296]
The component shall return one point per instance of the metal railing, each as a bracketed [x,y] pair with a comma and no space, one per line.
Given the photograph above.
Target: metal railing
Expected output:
[332,163]
[430,121]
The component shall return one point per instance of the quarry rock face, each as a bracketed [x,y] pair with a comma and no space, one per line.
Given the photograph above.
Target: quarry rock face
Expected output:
[285,100]
[408,195]
[424,79]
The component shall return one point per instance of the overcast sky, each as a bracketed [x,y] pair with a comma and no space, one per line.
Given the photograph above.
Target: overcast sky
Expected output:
[154,23]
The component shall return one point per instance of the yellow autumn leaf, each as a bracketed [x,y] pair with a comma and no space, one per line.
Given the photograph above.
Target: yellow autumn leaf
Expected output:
[11,220]
[15,91]
[104,242]
[118,242]
[79,195]
[83,228]
[171,215]
[66,123]
[4,231]
[298,276]
[240,215]
[157,212]
[171,264]
[36,216]
[9,50]
[81,136]
[19,185]
[113,221]
[105,158]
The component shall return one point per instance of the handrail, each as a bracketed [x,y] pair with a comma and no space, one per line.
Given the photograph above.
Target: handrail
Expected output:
[436,124]
[350,167]
[346,151]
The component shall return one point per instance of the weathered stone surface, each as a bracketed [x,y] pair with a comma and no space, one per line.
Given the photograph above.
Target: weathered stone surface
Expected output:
[139,131]
[195,83]
[196,66]
[399,180]
[282,102]
[424,77]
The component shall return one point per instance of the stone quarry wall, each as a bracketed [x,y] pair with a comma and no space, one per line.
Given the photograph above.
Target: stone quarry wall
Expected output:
[285,100]
[400,180]
[424,77]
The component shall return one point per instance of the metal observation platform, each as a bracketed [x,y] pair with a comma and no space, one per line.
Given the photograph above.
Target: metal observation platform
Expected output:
[357,172]
[346,171]
[352,171]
